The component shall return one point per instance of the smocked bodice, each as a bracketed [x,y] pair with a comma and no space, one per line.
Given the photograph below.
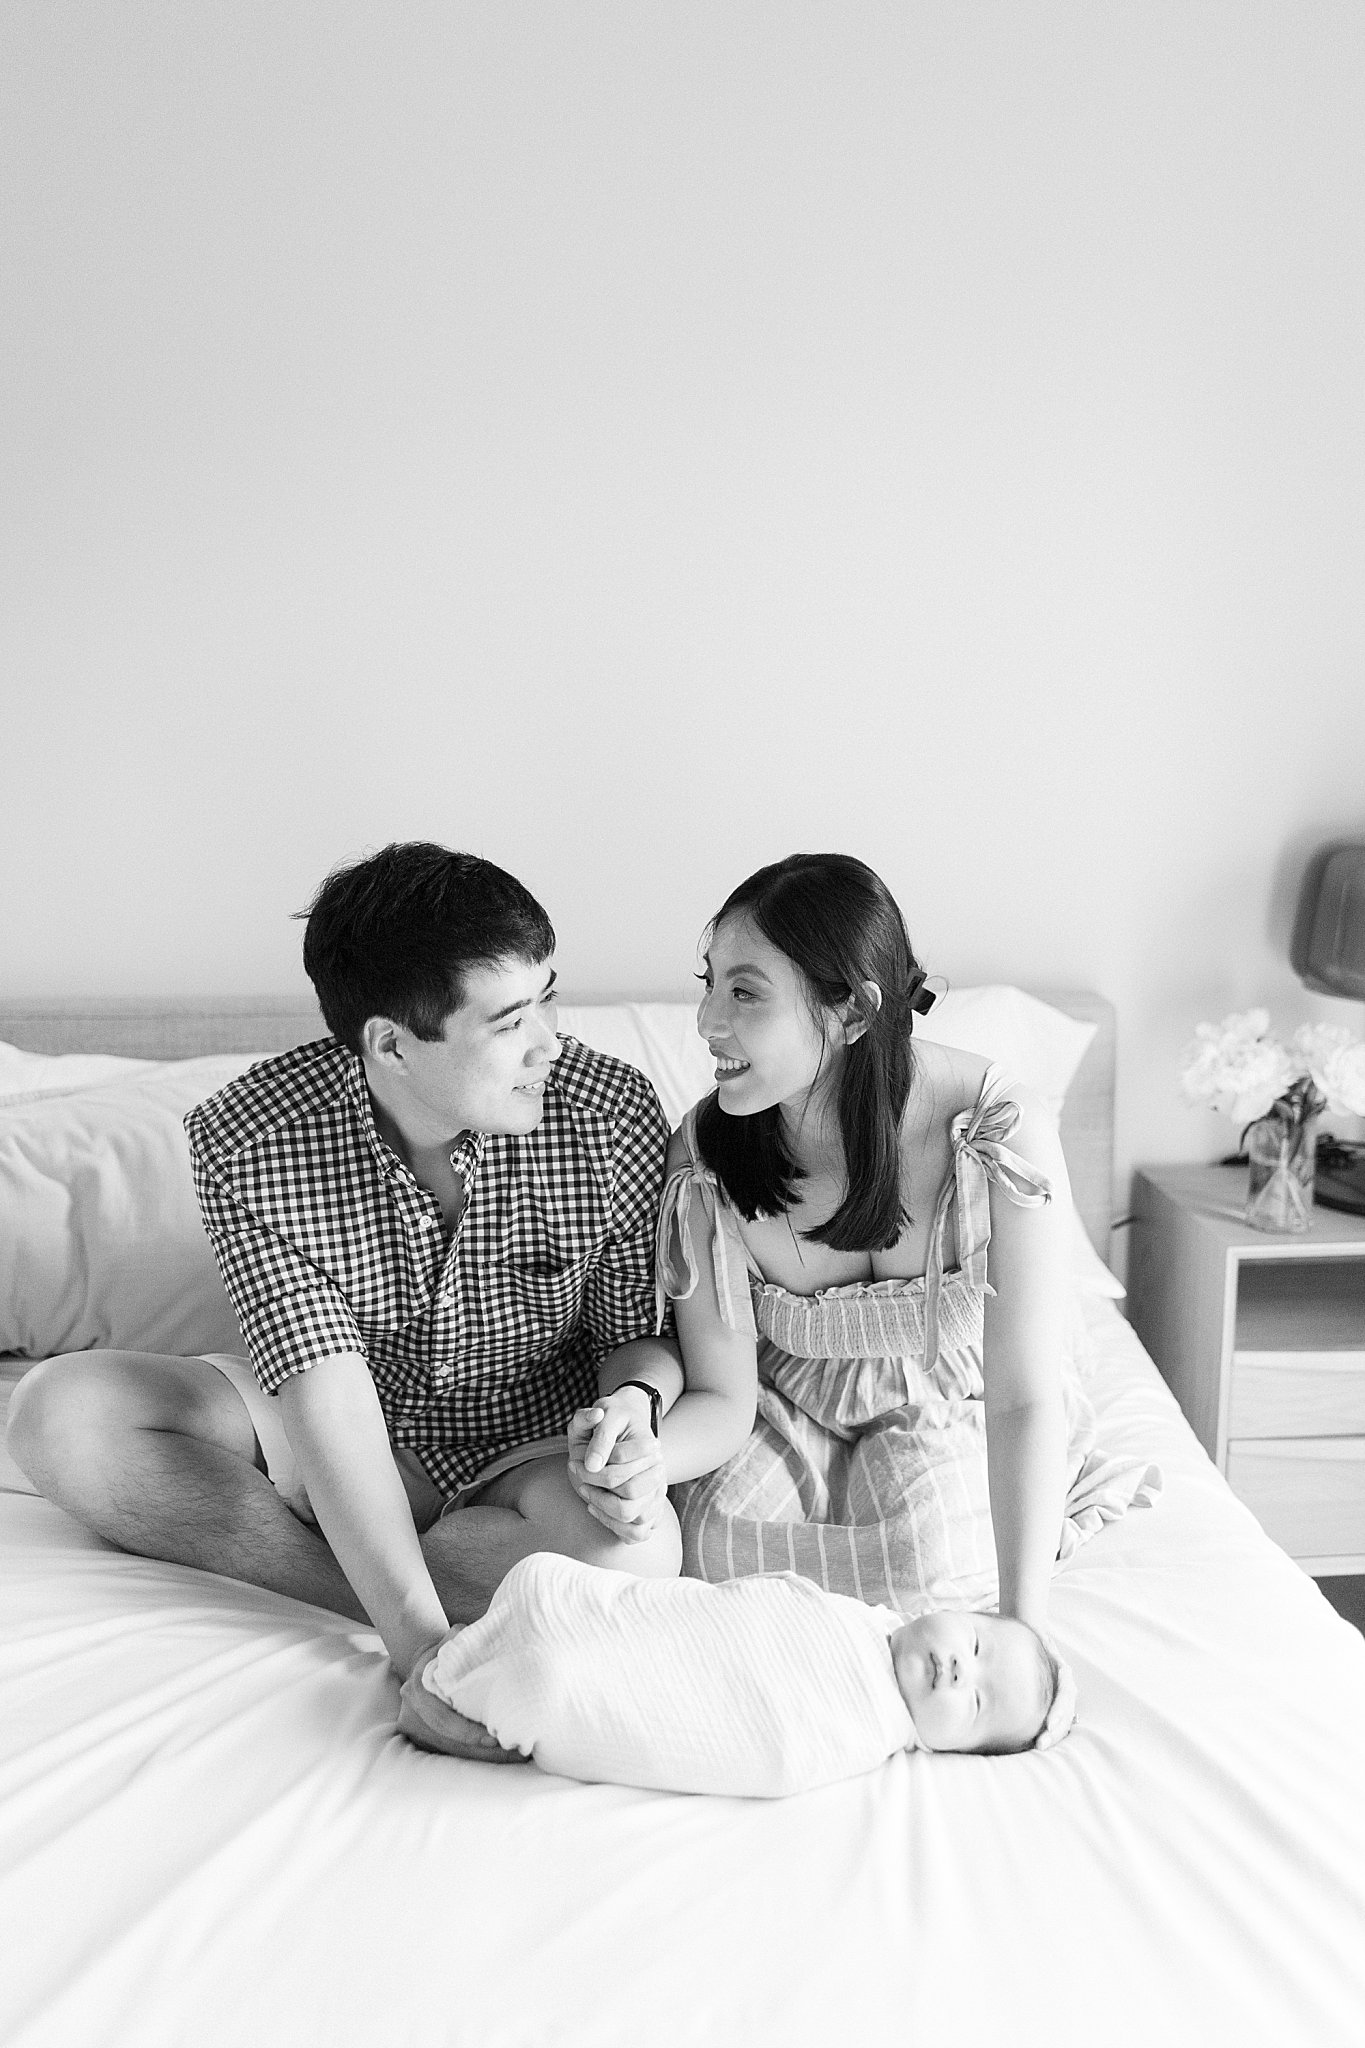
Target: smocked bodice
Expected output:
[931,1324]
[866,1319]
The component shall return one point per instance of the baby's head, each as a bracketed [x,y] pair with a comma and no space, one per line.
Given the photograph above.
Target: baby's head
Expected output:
[979,1682]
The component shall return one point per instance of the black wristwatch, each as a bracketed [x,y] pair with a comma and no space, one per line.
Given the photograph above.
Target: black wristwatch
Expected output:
[656,1401]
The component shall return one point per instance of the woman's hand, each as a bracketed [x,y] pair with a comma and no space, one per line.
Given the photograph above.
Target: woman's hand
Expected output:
[616,1464]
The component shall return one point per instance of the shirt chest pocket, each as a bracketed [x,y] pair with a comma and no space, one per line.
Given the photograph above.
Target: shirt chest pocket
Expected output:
[539,1303]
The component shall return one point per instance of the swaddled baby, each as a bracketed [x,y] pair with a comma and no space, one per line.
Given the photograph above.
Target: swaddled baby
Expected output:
[757,1687]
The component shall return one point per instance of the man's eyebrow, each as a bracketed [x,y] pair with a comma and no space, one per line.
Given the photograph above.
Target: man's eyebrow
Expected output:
[496,1016]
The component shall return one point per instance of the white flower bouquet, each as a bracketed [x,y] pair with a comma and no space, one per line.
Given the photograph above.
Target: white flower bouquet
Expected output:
[1276,1092]
[1237,1067]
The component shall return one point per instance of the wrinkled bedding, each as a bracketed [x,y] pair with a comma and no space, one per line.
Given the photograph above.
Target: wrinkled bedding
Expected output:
[210,1832]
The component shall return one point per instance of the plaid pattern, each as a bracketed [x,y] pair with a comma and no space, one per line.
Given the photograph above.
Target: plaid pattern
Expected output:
[327,1244]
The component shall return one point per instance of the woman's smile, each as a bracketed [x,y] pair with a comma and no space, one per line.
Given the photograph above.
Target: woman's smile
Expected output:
[753,988]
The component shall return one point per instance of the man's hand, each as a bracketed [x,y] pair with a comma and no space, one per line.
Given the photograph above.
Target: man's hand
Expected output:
[616,1464]
[431,1724]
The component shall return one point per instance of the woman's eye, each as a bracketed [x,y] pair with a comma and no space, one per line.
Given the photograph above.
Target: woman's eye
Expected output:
[743,995]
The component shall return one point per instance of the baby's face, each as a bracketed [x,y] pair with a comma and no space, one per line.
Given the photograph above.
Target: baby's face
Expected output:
[971,1681]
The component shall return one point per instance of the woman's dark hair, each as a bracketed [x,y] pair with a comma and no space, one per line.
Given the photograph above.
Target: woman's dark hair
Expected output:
[394,936]
[839,925]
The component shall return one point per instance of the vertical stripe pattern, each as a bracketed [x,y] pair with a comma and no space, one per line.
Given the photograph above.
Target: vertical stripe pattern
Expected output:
[866,1468]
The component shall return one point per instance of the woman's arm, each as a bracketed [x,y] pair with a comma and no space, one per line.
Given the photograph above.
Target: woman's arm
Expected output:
[709,1396]
[715,1410]
[1024,1343]
[714,1414]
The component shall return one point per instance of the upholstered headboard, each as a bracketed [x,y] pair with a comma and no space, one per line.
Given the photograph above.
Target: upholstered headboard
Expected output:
[180,1027]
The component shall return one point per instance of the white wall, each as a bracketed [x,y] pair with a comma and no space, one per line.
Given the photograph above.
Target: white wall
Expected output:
[635,441]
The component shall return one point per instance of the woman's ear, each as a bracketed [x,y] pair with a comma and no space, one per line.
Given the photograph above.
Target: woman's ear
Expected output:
[854,1016]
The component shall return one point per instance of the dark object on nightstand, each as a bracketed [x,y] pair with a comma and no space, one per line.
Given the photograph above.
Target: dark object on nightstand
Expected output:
[1340,1171]
[1328,944]
[1328,954]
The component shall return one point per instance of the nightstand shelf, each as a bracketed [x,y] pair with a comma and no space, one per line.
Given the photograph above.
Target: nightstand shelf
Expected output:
[1262,1341]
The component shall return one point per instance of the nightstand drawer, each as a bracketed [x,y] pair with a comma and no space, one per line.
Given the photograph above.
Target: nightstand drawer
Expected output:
[1297,1393]
[1307,1493]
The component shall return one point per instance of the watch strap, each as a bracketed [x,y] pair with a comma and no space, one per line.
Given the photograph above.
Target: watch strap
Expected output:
[656,1401]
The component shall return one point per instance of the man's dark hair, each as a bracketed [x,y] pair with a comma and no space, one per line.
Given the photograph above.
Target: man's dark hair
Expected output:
[395,935]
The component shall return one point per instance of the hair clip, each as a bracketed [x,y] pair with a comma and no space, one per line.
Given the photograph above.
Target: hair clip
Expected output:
[920,996]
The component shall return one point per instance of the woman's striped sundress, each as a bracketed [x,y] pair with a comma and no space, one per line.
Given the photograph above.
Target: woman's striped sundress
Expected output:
[866,1468]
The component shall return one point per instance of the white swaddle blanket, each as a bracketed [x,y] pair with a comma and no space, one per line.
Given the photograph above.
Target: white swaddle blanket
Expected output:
[759,1687]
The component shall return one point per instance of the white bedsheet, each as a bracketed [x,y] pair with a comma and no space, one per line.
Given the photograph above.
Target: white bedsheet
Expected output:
[210,1833]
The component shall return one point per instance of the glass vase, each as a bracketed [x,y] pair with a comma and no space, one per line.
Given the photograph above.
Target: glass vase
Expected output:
[1283,1154]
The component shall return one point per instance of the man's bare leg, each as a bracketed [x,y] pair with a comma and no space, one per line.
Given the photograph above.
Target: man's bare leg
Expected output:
[158,1456]
[470,1551]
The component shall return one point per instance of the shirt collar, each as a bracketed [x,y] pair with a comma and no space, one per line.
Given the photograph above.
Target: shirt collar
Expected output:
[364,1109]
[465,1155]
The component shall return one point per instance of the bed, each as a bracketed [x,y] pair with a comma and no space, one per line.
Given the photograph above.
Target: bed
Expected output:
[210,1832]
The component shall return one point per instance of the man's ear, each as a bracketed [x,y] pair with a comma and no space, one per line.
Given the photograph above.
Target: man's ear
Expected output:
[379,1042]
[853,1016]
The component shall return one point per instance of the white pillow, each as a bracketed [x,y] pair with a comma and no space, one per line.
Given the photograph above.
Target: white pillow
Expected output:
[101,1241]
[659,1038]
[1088,1269]
[1038,1045]
[41,1073]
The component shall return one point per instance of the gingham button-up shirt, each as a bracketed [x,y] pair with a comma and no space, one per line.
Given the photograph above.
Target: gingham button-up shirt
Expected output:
[479,1342]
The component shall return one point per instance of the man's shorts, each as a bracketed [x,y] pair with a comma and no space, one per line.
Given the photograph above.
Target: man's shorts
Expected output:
[428,1503]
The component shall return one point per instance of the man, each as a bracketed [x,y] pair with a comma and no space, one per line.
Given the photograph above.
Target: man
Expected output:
[436,1228]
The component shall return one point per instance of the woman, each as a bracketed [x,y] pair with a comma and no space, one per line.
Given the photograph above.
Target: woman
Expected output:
[835,1201]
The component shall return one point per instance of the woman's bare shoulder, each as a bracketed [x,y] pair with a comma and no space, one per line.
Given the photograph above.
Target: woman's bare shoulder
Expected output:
[1035,1137]
[946,1081]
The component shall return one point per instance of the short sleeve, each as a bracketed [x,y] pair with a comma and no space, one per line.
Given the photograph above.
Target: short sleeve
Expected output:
[291,1314]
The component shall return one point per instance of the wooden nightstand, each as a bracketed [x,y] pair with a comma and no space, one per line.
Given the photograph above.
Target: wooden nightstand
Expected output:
[1262,1341]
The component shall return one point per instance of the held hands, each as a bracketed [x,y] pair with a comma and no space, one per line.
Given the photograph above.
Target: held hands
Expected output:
[616,1464]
